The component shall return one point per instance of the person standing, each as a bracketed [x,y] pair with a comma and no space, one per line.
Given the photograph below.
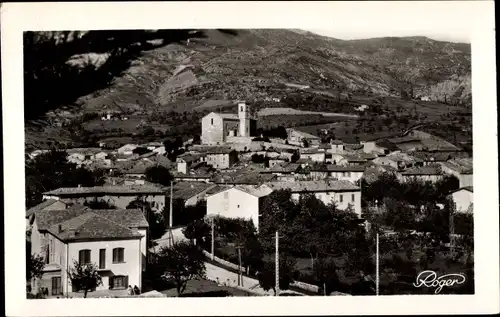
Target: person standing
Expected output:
[130,290]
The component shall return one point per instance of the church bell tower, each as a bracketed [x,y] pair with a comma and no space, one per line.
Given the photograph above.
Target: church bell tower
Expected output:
[244,117]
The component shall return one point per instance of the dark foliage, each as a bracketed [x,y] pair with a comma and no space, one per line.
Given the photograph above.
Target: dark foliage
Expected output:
[51,170]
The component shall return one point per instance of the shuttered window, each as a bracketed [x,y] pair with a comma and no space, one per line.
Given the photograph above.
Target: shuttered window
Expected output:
[352,197]
[118,255]
[56,286]
[341,197]
[102,258]
[118,281]
[84,256]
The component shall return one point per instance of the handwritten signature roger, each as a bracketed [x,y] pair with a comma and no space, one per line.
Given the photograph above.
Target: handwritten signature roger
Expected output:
[430,279]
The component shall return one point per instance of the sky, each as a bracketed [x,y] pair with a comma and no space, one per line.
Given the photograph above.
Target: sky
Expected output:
[457,36]
[453,21]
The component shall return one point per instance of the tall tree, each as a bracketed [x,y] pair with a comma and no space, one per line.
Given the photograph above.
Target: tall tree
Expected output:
[159,175]
[34,266]
[180,264]
[84,277]
[51,170]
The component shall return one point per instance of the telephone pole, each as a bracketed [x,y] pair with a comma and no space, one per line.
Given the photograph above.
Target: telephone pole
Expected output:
[213,237]
[171,214]
[277,266]
[377,279]
[240,278]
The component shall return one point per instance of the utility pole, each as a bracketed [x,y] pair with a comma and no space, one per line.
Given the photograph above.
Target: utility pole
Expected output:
[171,214]
[377,279]
[213,237]
[452,233]
[277,266]
[240,278]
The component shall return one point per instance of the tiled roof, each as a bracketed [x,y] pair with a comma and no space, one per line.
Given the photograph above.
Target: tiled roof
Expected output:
[188,158]
[125,217]
[138,167]
[244,176]
[314,186]
[214,150]
[186,190]
[310,151]
[468,188]
[426,170]
[337,142]
[259,191]
[461,165]
[353,158]
[400,156]
[103,190]
[91,226]
[433,156]
[336,168]
[217,189]
[46,218]
[283,168]
[44,204]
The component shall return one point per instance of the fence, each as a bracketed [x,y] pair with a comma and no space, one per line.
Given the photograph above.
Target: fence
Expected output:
[298,284]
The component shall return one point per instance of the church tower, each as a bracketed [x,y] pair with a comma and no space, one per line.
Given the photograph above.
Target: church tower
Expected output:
[244,117]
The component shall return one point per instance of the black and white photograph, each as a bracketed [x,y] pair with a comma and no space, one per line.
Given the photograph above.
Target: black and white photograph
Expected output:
[250,162]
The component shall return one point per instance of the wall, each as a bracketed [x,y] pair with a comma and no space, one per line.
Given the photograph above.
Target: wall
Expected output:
[182,167]
[132,265]
[385,161]
[334,197]
[212,133]
[462,198]
[234,203]
[316,157]
[220,161]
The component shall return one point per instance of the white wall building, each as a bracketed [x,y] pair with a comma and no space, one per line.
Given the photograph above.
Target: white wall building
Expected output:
[463,199]
[116,244]
[341,193]
[241,201]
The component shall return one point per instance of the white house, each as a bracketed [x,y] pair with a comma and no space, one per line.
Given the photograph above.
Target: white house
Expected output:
[241,201]
[297,137]
[313,154]
[114,241]
[337,147]
[340,192]
[463,199]
[348,173]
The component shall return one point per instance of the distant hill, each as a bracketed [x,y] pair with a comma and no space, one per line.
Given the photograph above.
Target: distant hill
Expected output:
[145,72]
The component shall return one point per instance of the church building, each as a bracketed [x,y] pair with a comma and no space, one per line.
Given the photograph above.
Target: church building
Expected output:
[219,128]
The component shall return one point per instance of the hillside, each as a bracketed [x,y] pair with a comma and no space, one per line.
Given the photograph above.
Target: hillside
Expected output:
[148,74]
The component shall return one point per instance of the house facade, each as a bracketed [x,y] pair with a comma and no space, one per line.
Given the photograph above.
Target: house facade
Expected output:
[115,244]
[297,137]
[241,201]
[426,173]
[341,193]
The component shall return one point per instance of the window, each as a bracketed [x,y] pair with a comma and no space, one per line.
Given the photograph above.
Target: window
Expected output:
[118,255]
[238,206]
[118,281]
[352,197]
[348,174]
[52,251]
[84,256]
[56,286]
[212,121]
[102,258]
[341,197]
